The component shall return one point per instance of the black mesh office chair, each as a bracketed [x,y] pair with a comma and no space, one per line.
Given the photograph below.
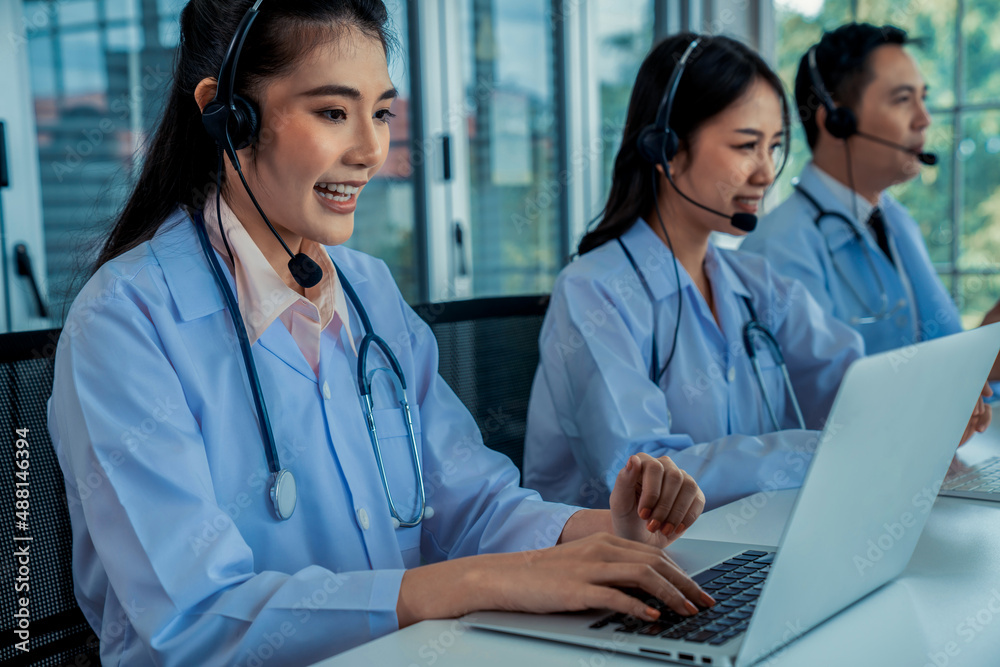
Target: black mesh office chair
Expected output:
[59,633]
[489,352]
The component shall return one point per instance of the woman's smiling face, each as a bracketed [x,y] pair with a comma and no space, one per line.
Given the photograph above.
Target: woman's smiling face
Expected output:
[324,135]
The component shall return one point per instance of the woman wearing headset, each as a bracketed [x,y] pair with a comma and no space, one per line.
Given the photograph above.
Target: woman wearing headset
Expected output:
[652,335]
[196,340]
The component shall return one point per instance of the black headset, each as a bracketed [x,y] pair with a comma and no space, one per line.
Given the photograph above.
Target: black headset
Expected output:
[658,143]
[233,121]
[840,122]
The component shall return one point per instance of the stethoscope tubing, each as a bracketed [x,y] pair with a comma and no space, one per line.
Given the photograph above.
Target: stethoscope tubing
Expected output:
[884,312]
[282,478]
[752,326]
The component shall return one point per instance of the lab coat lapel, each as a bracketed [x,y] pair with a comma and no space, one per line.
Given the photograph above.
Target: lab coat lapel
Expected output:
[185,268]
[277,340]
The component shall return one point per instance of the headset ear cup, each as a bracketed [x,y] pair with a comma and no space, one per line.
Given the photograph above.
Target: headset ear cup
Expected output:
[650,144]
[244,122]
[215,117]
[671,145]
[841,122]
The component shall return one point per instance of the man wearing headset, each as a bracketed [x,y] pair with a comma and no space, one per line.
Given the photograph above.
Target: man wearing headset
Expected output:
[858,251]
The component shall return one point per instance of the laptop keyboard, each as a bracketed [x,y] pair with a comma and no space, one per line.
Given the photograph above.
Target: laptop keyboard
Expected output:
[984,478]
[735,584]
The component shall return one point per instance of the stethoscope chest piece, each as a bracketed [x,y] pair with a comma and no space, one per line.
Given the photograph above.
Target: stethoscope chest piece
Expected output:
[283,494]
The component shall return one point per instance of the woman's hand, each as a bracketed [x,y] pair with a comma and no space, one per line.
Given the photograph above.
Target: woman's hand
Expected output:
[578,575]
[981,416]
[654,501]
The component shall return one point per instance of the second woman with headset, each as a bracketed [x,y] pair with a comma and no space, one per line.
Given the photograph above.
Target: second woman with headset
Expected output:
[656,341]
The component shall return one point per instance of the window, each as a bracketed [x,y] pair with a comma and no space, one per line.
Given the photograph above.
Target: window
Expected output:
[512,119]
[97,82]
[624,35]
[957,202]
[385,219]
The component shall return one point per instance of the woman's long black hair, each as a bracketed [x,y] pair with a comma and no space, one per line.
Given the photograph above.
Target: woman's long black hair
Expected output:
[181,162]
[719,72]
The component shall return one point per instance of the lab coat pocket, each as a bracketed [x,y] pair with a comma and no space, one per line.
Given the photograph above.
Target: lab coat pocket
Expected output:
[400,473]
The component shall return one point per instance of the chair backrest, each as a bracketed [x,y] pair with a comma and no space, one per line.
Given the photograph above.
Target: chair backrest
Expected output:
[57,633]
[489,353]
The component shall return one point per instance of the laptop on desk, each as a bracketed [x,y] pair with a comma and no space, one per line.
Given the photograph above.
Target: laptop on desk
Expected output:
[978,482]
[876,472]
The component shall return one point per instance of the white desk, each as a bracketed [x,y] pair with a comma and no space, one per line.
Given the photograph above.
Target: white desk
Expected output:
[936,614]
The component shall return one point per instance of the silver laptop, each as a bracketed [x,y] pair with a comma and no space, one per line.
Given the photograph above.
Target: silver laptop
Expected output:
[876,471]
[979,482]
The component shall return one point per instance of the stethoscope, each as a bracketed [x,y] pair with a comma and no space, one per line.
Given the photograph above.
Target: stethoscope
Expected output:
[884,312]
[752,330]
[283,491]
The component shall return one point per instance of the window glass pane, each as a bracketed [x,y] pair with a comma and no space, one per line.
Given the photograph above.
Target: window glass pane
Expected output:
[979,293]
[84,71]
[126,39]
[514,192]
[76,12]
[929,195]
[170,7]
[41,57]
[981,32]
[979,151]
[623,37]
[120,9]
[386,218]
[934,24]
[800,25]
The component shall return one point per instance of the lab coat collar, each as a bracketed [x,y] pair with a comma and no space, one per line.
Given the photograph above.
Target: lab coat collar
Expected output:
[835,230]
[655,261]
[188,274]
[722,275]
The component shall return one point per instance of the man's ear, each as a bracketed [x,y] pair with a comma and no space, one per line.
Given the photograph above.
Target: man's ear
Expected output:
[821,115]
[205,91]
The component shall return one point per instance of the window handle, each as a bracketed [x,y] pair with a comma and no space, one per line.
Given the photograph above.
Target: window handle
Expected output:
[446,155]
[4,174]
[462,269]
[24,269]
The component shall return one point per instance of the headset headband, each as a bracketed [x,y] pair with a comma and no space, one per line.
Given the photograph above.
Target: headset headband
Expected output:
[817,80]
[667,101]
[227,73]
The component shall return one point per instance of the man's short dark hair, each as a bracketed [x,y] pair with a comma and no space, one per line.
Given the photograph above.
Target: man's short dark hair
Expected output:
[842,58]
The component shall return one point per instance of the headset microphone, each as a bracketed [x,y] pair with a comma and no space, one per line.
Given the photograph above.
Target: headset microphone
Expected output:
[746,222]
[930,159]
[233,121]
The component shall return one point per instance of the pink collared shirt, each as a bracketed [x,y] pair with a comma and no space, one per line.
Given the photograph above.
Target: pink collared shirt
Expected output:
[263,296]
